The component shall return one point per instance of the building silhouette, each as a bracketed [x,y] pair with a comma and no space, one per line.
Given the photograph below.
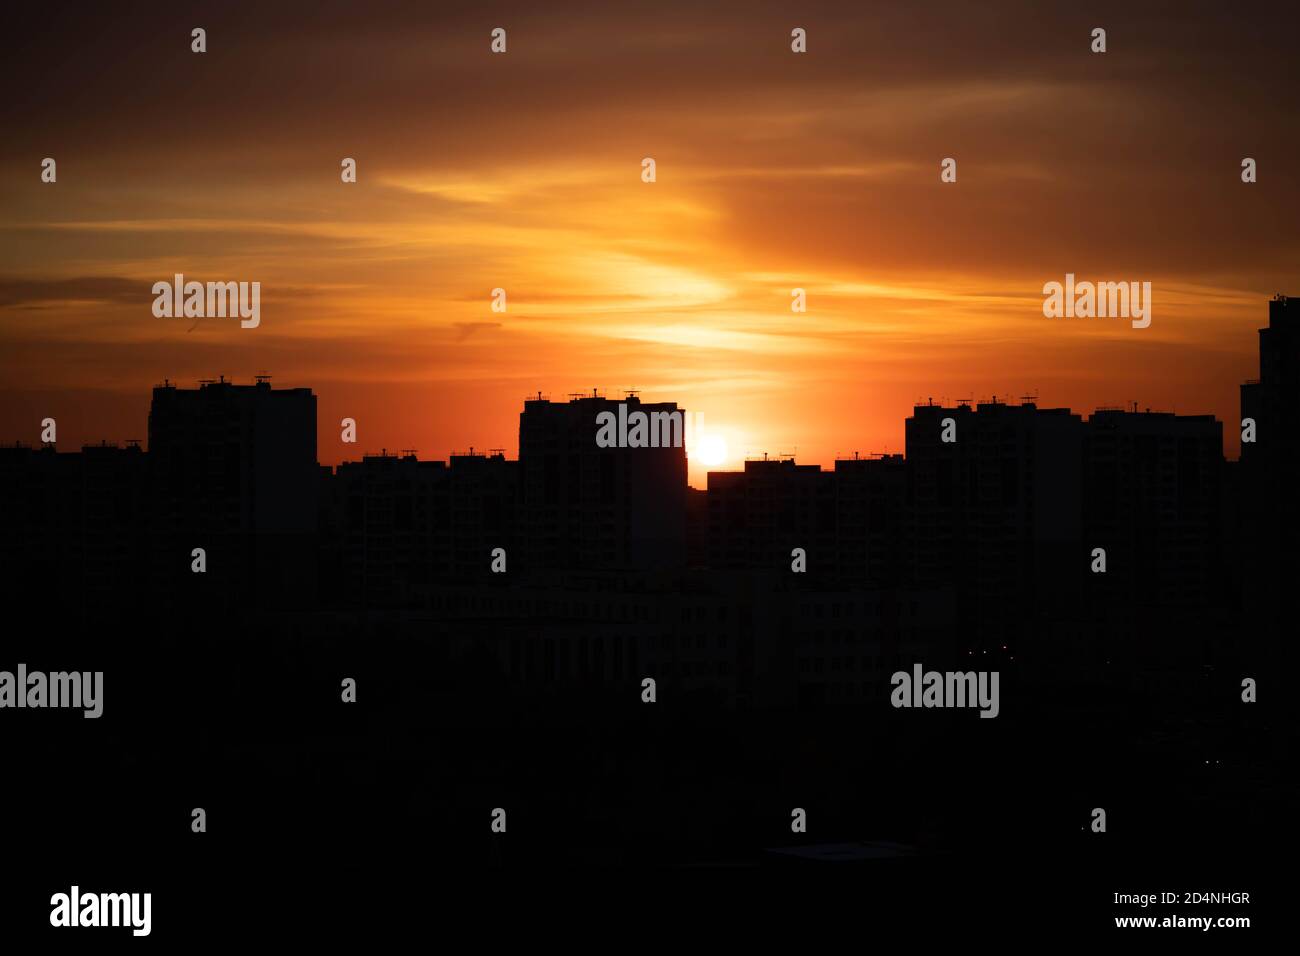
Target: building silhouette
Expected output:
[76,526]
[981,545]
[584,506]
[773,686]
[233,471]
[1153,501]
[386,523]
[396,528]
[760,515]
[997,512]
[1267,479]
[870,520]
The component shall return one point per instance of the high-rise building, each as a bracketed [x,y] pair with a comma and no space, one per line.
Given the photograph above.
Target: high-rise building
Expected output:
[1152,502]
[234,458]
[996,510]
[234,471]
[870,503]
[587,506]
[1272,400]
[388,521]
[1268,476]
[76,526]
[759,516]
[483,498]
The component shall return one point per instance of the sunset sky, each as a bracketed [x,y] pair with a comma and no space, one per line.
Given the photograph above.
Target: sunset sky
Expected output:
[523,171]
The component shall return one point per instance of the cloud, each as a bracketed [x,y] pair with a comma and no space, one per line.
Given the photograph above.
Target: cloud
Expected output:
[16,292]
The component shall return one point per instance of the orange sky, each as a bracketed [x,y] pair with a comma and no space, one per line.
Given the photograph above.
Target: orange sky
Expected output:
[522,171]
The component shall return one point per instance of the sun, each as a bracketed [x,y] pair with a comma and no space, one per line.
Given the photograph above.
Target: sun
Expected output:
[711,450]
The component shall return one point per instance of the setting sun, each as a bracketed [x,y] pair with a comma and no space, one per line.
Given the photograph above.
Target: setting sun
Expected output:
[711,450]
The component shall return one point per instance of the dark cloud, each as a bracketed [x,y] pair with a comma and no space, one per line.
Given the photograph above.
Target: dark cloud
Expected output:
[404,78]
[16,292]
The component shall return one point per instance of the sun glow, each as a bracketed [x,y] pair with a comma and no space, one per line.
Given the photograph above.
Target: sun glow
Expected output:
[711,450]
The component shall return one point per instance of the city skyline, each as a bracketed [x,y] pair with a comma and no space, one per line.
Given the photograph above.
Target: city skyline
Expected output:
[1003,505]
[843,452]
[826,178]
[347,453]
